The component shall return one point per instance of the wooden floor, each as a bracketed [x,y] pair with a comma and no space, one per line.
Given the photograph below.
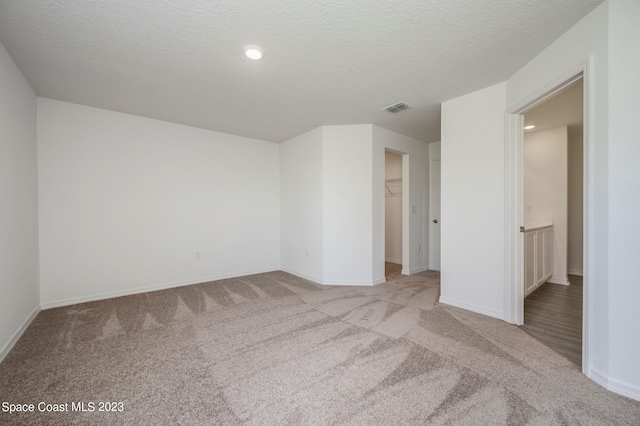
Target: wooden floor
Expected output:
[553,315]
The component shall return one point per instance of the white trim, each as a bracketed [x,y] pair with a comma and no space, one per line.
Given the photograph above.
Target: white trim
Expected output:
[474,308]
[396,261]
[623,388]
[414,271]
[587,307]
[429,217]
[335,282]
[559,281]
[575,272]
[614,385]
[301,275]
[514,218]
[550,89]
[598,377]
[19,332]
[406,209]
[147,289]
[350,283]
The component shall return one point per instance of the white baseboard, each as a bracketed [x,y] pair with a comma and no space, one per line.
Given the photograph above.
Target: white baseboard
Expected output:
[146,289]
[598,377]
[561,281]
[578,272]
[396,261]
[348,283]
[12,341]
[473,308]
[335,282]
[301,275]
[414,271]
[614,385]
[380,281]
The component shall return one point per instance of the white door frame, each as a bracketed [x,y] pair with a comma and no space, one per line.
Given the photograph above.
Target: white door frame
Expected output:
[514,193]
[434,246]
[406,206]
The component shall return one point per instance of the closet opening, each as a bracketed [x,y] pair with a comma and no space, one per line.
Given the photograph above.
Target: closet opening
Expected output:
[393,215]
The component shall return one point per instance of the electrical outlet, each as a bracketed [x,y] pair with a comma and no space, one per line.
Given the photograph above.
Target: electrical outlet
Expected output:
[197,255]
[306,252]
[419,248]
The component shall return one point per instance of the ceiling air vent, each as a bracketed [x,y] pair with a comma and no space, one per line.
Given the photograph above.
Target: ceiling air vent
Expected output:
[395,108]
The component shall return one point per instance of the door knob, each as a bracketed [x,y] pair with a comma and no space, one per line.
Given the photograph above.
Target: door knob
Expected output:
[435,220]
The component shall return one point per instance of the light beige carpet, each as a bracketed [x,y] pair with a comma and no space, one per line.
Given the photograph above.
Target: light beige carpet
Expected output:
[276,349]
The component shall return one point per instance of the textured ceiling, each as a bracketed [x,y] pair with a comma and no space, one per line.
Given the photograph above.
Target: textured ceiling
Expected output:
[326,62]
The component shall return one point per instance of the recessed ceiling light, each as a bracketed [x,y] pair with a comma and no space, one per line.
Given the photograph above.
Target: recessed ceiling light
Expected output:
[253,52]
[529,127]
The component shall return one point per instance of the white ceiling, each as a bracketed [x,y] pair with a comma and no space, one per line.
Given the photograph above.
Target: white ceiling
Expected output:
[326,62]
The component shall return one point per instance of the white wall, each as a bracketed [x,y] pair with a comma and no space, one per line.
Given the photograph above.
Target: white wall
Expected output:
[347,199]
[301,245]
[546,189]
[19,291]
[472,201]
[393,211]
[126,202]
[624,201]
[575,207]
[415,172]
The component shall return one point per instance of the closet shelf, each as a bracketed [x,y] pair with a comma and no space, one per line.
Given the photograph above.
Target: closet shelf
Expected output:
[393,187]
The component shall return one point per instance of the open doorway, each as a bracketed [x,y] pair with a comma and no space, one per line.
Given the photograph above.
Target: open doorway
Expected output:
[553,221]
[393,214]
[514,207]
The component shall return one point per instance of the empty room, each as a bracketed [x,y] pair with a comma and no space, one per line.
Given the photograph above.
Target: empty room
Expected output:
[305,212]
